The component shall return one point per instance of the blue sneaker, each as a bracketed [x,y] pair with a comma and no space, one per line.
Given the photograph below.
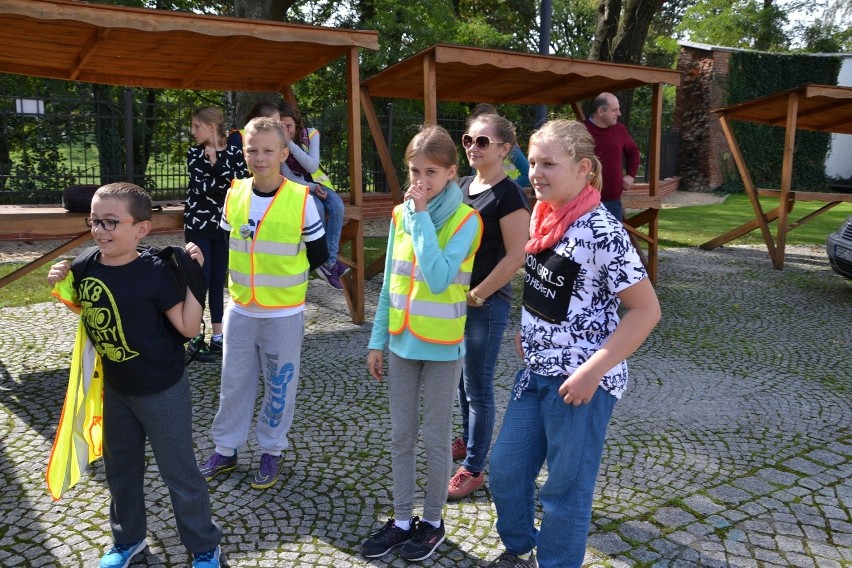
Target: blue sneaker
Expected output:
[119,555]
[209,559]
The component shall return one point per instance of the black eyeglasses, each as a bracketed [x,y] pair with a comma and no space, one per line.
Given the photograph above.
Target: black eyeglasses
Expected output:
[106,224]
[481,141]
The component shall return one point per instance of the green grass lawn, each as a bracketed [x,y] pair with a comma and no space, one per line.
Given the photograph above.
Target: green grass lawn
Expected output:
[29,289]
[681,227]
[692,226]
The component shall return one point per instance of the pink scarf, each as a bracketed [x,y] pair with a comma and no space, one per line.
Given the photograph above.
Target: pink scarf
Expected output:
[548,225]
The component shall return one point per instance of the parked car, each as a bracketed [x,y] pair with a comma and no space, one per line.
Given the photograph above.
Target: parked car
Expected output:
[839,248]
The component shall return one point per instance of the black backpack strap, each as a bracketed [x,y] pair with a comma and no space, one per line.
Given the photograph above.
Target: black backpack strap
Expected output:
[187,272]
[80,265]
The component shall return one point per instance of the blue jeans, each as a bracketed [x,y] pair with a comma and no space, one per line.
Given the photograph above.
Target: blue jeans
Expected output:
[215,269]
[483,334]
[331,212]
[539,426]
[615,208]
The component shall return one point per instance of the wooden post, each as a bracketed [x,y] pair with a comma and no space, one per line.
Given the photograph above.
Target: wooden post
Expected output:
[653,174]
[354,281]
[749,187]
[786,178]
[381,145]
[430,90]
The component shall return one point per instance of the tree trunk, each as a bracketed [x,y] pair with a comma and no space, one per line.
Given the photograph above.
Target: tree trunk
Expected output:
[763,42]
[633,30]
[624,42]
[272,10]
[609,12]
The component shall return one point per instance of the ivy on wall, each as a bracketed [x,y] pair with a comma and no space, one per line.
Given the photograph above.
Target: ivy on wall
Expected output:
[756,74]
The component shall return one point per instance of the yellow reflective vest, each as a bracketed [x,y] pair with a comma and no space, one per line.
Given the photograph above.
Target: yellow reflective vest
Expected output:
[435,318]
[318,176]
[79,435]
[510,169]
[268,263]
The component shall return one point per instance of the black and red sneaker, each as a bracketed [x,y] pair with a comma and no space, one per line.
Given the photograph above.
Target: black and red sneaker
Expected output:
[387,538]
[424,542]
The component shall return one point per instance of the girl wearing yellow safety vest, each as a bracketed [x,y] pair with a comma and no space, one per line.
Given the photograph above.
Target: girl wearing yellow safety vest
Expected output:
[420,317]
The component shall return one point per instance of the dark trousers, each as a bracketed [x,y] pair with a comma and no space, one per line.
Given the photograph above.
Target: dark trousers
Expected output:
[165,418]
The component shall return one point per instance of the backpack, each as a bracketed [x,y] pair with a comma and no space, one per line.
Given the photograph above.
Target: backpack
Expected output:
[187,273]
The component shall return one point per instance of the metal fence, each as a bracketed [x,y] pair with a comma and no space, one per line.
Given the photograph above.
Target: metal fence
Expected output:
[106,134]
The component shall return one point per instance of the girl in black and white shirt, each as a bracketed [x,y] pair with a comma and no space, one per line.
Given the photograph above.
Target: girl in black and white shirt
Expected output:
[212,163]
[580,266]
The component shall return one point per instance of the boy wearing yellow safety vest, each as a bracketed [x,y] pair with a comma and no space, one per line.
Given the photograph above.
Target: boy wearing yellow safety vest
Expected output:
[134,312]
[421,317]
[275,239]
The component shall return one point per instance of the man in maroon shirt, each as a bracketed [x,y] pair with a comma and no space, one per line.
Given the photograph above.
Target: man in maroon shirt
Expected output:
[612,144]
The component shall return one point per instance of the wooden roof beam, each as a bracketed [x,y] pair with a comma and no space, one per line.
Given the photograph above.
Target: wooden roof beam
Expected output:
[539,89]
[87,51]
[147,20]
[474,86]
[225,48]
[299,73]
[818,109]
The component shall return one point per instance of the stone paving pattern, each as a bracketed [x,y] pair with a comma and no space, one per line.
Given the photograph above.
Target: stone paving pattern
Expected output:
[731,447]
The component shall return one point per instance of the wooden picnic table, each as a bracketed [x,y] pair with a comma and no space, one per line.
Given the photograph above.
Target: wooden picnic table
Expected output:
[822,108]
[22,222]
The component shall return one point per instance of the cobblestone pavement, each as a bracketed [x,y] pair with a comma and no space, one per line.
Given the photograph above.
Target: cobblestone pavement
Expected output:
[731,448]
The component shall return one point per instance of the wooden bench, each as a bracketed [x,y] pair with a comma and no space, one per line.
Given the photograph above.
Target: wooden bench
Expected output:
[34,222]
[831,200]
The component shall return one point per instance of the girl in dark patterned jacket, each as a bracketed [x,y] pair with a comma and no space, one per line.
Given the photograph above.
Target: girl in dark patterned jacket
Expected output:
[211,164]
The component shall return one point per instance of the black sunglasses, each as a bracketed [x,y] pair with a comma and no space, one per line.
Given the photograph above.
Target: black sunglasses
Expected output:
[481,141]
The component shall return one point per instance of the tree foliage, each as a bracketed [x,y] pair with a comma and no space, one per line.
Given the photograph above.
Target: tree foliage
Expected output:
[750,24]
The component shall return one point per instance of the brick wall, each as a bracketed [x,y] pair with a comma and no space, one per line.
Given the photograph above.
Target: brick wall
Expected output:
[375,205]
[705,155]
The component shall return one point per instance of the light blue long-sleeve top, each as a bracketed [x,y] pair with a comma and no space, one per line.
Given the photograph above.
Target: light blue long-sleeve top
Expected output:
[439,269]
[516,155]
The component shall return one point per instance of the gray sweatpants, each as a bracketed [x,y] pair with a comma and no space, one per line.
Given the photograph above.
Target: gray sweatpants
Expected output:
[439,381]
[273,347]
[165,418]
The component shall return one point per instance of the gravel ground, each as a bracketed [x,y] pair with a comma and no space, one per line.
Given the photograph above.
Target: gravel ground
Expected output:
[731,448]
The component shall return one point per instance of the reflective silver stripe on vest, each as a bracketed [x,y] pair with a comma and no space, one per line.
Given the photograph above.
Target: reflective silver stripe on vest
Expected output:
[270,280]
[438,310]
[403,268]
[398,301]
[265,247]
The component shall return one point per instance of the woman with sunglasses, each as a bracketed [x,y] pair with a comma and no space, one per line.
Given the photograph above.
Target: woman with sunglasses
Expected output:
[515,164]
[505,216]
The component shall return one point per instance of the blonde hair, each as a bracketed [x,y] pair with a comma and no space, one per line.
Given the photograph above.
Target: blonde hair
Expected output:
[263,124]
[434,143]
[211,115]
[137,199]
[574,139]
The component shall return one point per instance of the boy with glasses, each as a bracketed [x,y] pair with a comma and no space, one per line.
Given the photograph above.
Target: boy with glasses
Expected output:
[136,315]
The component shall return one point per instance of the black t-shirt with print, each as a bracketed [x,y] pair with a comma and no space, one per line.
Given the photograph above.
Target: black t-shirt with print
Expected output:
[493,204]
[123,311]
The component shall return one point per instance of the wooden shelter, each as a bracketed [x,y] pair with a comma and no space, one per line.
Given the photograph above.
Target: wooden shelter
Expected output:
[822,108]
[134,47]
[469,74]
